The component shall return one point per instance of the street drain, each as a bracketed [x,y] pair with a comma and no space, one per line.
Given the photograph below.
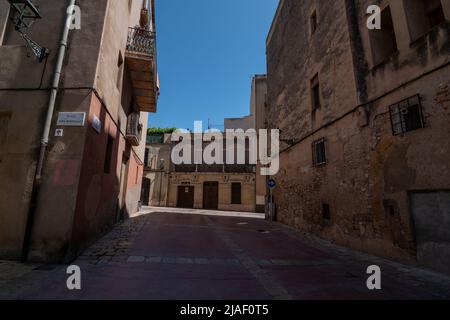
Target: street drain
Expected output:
[263,231]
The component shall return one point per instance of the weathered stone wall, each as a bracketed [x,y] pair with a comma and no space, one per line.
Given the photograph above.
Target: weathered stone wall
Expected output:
[157,171]
[416,161]
[369,169]
[295,56]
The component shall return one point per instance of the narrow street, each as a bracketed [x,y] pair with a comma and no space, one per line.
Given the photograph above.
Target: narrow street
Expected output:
[208,255]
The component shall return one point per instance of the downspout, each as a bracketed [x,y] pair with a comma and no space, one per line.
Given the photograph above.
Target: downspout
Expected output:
[150,14]
[46,133]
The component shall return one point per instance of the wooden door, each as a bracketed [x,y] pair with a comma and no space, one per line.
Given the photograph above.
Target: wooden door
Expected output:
[211,195]
[185,197]
[431,214]
[145,196]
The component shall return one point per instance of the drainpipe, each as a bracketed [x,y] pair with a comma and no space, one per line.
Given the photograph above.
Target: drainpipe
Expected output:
[46,133]
[150,15]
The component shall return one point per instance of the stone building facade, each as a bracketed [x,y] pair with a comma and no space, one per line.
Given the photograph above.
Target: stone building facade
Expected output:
[366,114]
[92,171]
[227,190]
[214,187]
[157,167]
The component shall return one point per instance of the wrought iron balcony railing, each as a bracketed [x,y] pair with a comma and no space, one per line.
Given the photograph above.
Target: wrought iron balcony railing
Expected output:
[141,41]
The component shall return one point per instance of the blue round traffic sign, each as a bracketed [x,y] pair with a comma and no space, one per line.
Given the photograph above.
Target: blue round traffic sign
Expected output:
[271,183]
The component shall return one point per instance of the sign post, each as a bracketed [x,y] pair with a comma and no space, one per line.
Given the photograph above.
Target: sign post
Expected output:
[271,183]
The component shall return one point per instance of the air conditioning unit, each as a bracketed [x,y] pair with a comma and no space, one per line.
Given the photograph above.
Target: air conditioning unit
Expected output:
[134,129]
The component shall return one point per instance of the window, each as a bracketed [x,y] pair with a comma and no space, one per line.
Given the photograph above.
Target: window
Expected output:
[236,193]
[315,93]
[423,15]
[390,208]
[147,151]
[326,213]
[383,41]
[4,123]
[319,152]
[435,14]
[108,155]
[406,115]
[313,22]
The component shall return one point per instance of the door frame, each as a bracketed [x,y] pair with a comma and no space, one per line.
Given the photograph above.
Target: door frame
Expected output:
[215,183]
[411,211]
[191,188]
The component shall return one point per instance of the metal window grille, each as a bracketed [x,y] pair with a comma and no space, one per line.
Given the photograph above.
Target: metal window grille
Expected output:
[319,152]
[406,115]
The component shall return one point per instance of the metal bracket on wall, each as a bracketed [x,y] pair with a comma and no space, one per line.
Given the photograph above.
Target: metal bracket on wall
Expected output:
[37,50]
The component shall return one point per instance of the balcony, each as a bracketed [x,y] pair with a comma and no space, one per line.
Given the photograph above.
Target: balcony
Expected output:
[134,129]
[140,58]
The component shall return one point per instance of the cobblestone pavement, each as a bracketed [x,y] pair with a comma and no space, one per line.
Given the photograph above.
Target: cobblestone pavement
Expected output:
[169,255]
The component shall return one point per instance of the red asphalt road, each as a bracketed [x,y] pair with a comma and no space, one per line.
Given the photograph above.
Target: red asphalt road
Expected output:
[196,257]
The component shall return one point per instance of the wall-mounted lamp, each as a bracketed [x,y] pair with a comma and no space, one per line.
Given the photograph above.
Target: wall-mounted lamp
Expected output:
[24,15]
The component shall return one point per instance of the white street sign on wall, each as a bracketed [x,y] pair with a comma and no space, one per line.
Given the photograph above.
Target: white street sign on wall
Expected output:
[71,119]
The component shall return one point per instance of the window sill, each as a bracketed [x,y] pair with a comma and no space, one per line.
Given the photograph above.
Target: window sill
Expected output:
[386,61]
[320,165]
[419,40]
[316,109]
[403,134]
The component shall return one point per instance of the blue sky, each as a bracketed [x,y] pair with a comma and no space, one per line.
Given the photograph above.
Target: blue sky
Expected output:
[208,51]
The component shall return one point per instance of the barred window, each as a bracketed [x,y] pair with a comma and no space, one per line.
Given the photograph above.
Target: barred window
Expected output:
[406,115]
[319,152]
